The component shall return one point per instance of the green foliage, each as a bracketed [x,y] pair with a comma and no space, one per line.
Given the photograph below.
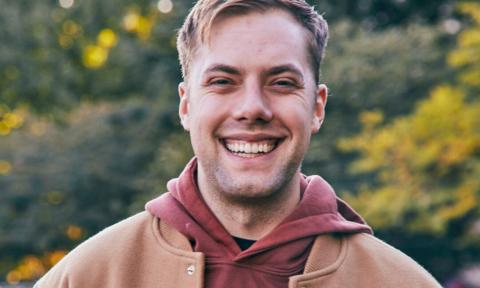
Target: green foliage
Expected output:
[53,58]
[429,156]
[371,70]
[466,56]
[386,13]
[69,182]
[426,164]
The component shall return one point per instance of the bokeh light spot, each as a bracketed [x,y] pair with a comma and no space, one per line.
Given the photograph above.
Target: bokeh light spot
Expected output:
[66,3]
[5,167]
[165,6]
[107,38]
[12,120]
[54,257]
[131,21]
[94,56]
[31,267]
[74,232]
[71,28]
[451,26]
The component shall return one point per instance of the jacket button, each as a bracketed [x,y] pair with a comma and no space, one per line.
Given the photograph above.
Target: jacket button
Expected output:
[190,269]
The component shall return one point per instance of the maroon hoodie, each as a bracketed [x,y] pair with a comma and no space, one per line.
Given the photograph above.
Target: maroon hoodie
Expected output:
[271,260]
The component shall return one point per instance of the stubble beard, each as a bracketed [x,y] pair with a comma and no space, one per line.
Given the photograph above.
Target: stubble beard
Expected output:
[254,191]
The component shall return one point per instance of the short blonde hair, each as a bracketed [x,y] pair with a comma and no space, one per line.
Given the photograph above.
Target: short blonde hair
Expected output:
[197,25]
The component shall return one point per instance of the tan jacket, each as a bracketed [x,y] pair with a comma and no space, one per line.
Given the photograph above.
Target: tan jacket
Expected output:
[143,251]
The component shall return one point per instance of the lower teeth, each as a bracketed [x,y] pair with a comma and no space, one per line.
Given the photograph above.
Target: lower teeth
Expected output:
[247,155]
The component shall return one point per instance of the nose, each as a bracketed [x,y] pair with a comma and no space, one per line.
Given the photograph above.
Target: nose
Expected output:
[252,105]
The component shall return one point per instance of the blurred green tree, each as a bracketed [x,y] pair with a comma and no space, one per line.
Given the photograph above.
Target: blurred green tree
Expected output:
[381,14]
[426,164]
[388,70]
[53,58]
[69,182]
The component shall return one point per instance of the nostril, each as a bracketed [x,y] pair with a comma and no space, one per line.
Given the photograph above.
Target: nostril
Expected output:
[253,105]
[254,112]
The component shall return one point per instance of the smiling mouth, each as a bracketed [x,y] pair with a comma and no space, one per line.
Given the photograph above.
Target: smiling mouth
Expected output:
[250,149]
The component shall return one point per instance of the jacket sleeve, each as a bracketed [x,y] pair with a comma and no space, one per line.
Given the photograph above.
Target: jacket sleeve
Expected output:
[57,277]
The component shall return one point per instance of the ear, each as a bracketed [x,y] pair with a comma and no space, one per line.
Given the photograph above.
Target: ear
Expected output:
[183,106]
[319,107]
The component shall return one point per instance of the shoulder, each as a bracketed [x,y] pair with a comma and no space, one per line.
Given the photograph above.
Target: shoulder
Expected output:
[364,245]
[361,260]
[371,255]
[140,251]
[114,244]
[124,233]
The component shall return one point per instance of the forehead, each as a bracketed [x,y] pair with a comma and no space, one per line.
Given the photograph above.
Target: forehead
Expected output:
[255,40]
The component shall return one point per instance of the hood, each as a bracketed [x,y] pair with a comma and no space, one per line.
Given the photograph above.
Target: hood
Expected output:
[282,252]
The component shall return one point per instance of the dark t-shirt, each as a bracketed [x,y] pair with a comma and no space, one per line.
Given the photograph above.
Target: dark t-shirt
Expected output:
[244,244]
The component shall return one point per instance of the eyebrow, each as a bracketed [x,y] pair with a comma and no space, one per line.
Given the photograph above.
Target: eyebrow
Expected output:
[282,69]
[270,72]
[222,68]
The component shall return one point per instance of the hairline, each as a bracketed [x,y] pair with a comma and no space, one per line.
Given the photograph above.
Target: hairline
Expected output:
[224,11]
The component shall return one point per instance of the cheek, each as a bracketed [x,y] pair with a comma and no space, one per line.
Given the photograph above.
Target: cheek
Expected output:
[296,116]
[206,117]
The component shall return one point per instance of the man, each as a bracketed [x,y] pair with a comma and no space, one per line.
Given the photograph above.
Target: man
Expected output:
[241,214]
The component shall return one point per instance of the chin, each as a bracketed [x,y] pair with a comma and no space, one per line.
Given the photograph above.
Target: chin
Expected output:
[247,188]
[248,191]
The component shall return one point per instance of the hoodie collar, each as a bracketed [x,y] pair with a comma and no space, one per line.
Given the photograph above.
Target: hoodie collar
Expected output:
[320,211]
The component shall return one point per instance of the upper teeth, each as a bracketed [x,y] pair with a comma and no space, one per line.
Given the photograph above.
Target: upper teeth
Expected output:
[253,148]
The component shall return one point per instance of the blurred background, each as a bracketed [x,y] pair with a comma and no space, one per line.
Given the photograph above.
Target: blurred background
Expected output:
[89,128]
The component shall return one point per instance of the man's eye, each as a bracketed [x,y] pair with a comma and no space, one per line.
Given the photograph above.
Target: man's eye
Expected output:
[284,83]
[220,81]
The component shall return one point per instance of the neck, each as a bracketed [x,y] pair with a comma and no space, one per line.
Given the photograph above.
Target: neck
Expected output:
[251,218]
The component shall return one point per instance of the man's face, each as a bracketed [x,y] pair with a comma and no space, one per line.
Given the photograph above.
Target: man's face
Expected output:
[251,104]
